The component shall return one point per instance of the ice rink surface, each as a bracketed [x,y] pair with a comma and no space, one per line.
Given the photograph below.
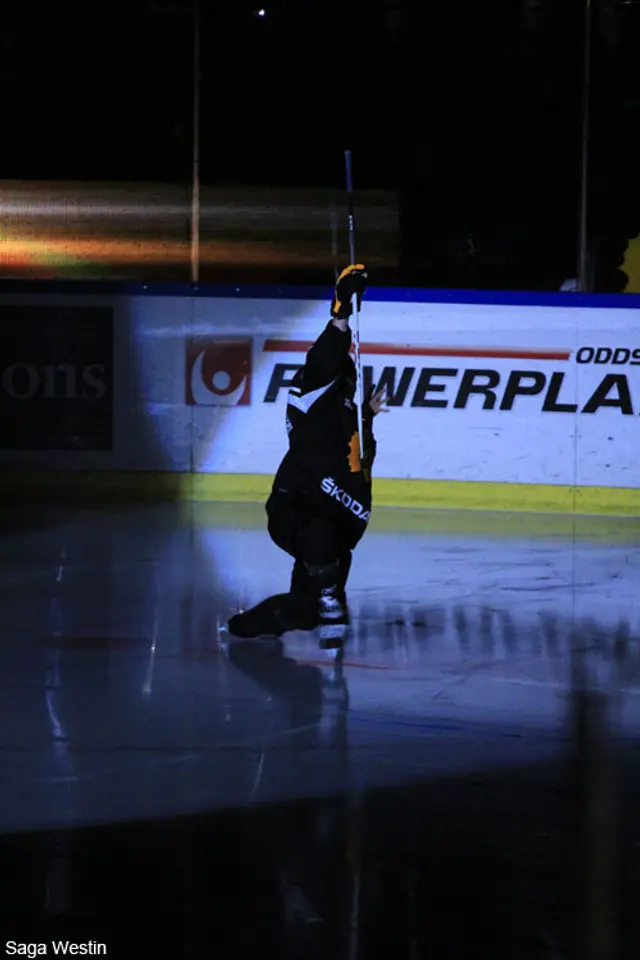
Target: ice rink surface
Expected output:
[213,783]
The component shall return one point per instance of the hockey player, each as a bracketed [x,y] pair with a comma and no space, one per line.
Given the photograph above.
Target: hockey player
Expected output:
[320,502]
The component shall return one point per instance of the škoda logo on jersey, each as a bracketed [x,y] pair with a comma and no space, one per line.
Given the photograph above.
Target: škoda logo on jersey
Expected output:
[330,487]
[219,371]
[488,378]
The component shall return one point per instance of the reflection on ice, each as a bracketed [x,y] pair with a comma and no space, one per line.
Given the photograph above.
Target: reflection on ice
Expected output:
[470,644]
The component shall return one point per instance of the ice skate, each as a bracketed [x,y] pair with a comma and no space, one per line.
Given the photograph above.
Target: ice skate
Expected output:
[258,623]
[271,618]
[333,619]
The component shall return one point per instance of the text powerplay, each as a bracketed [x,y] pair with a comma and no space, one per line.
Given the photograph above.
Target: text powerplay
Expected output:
[425,386]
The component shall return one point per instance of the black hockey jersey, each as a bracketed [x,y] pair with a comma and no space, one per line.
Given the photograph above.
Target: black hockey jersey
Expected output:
[323,466]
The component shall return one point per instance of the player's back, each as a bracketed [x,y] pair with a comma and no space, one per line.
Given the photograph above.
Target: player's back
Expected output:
[322,465]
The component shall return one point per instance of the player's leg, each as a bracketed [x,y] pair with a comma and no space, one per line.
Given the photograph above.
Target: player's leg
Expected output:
[320,574]
[345,567]
[317,595]
[283,612]
[300,581]
[263,620]
[288,519]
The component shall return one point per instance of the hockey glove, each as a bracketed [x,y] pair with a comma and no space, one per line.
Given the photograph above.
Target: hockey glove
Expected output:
[352,280]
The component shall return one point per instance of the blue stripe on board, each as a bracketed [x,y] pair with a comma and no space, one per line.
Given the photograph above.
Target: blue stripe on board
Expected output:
[273,292]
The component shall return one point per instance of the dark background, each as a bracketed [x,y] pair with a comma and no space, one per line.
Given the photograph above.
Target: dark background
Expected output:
[472,111]
[45,403]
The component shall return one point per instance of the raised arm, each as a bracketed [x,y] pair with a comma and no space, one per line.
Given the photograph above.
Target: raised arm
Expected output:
[326,358]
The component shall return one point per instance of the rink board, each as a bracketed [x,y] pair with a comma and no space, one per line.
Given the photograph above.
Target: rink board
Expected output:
[496,401]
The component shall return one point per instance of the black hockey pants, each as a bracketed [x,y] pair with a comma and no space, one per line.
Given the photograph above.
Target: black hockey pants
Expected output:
[322,555]
[322,560]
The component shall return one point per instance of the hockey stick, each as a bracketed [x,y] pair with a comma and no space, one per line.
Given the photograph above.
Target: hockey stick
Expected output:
[354,801]
[356,308]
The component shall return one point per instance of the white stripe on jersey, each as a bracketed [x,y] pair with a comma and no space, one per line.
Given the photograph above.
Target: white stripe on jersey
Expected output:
[305,402]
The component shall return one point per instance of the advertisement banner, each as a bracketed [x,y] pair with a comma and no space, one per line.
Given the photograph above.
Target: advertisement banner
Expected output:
[518,394]
[56,378]
[542,394]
